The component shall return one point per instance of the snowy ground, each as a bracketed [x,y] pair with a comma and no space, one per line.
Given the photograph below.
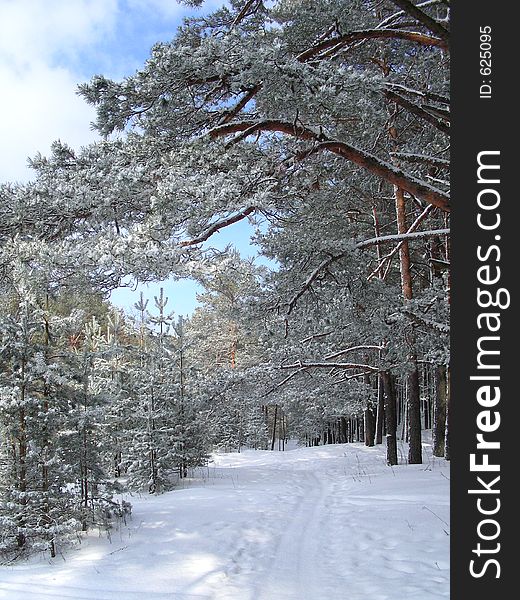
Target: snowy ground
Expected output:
[329,522]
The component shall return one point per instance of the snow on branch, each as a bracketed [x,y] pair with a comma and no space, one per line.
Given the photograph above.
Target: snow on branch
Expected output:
[418,188]
[441,163]
[420,320]
[418,111]
[328,365]
[401,237]
[385,260]
[423,18]
[396,16]
[422,94]
[398,237]
[371,34]
[352,349]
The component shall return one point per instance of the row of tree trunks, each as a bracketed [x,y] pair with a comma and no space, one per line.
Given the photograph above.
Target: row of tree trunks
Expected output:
[276,424]
[398,405]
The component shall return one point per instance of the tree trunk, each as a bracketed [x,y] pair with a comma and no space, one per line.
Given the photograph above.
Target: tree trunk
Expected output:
[413,396]
[380,417]
[414,416]
[343,430]
[439,412]
[447,453]
[370,427]
[391,418]
[273,439]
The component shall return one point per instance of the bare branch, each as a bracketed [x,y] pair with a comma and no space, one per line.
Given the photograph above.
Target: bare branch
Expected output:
[284,381]
[315,336]
[352,349]
[413,227]
[396,16]
[310,279]
[246,11]
[233,112]
[426,95]
[217,226]
[428,322]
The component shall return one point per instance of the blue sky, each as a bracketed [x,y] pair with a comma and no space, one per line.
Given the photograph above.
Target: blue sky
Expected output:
[48,47]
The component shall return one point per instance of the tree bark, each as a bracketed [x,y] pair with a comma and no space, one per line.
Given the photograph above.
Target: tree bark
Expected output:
[343,430]
[447,449]
[380,416]
[369,421]
[273,439]
[414,401]
[370,430]
[391,418]
[439,412]
[414,416]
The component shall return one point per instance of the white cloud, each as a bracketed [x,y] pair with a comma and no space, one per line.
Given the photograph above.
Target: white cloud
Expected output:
[38,103]
[37,108]
[45,48]
[42,28]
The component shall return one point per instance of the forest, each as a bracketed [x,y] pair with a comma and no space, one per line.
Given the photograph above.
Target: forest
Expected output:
[324,124]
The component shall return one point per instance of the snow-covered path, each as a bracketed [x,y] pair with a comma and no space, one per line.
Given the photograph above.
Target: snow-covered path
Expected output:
[332,522]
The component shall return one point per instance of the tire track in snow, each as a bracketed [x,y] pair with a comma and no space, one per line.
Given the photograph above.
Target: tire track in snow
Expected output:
[295,573]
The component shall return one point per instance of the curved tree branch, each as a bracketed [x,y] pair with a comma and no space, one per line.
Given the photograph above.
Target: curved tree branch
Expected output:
[372,34]
[361,158]
[217,226]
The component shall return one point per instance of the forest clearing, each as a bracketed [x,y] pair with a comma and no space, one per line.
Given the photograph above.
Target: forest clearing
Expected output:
[330,521]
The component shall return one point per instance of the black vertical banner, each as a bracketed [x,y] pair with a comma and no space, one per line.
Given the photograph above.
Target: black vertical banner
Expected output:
[484,397]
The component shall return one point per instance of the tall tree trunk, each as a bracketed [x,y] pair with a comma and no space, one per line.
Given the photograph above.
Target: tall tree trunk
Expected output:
[414,402]
[343,430]
[273,440]
[439,412]
[414,417]
[46,439]
[370,427]
[380,417]
[391,418]
[447,449]
[369,422]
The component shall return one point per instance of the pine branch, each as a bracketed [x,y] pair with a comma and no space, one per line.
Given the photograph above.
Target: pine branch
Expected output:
[312,277]
[352,349]
[378,167]
[418,112]
[441,163]
[385,260]
[246,11]
[400,237]
[327,365]
[371,34]
[423,18]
